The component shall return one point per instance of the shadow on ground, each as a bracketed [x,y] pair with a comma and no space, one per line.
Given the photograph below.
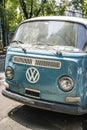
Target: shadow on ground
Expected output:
[37,119]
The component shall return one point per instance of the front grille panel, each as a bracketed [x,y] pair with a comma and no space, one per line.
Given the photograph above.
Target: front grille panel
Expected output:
[37,62]
[48,64]
[22,60]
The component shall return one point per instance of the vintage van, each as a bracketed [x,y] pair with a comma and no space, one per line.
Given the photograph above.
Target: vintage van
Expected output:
[46,64]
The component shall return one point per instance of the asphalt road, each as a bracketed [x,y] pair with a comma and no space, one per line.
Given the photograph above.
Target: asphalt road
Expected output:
[16,116]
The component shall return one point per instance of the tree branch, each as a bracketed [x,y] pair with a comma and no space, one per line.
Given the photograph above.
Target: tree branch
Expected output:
[23,5]
[31,10]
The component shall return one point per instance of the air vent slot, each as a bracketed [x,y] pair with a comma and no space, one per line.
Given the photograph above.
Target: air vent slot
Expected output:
[37,62]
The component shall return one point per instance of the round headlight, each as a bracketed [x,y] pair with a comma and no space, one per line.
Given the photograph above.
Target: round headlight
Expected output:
[9,73]
[66,83]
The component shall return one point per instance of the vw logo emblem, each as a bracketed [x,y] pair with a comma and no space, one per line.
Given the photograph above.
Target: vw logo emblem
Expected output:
[32,75]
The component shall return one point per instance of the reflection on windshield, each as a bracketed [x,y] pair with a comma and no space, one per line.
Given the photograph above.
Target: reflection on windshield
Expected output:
[50,32]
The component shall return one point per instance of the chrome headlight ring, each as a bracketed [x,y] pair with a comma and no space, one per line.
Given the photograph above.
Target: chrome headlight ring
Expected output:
[66,83]
[9,73]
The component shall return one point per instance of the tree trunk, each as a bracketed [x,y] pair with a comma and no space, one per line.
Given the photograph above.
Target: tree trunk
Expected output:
[23,5]
[31,10]
[4,24]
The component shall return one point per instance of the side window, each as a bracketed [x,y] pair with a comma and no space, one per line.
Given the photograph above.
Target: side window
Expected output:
[82,37]
[85,45]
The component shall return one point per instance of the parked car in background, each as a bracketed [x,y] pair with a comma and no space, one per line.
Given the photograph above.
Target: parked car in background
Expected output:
[46,64]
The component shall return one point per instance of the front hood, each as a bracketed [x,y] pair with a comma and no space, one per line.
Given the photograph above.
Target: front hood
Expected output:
[47,50]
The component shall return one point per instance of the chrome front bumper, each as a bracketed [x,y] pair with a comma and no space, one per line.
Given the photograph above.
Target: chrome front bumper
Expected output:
[57,107]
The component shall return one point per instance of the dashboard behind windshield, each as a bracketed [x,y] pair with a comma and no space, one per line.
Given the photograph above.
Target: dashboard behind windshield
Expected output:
[59,33]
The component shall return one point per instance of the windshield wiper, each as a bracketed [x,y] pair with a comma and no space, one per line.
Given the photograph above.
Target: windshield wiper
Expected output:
[18,42]
[58,52]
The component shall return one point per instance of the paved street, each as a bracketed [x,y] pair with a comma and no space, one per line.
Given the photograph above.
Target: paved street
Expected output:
[16,116]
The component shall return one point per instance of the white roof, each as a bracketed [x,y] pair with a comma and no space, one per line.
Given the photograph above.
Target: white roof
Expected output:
[59,18]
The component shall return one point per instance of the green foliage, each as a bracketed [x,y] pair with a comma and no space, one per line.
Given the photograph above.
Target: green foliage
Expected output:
[77,4]
[14,10]
[13,17]
[36,8]
[84,8]
[81,4]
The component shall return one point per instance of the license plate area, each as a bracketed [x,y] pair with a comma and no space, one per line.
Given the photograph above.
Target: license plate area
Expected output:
[32,93]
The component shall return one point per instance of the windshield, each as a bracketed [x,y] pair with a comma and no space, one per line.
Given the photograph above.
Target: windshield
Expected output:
[57,33]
